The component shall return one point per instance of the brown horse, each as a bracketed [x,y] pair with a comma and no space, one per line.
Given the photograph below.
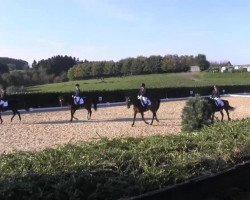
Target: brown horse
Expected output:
[216,108]
[69,100]
[139,108]
[14,106]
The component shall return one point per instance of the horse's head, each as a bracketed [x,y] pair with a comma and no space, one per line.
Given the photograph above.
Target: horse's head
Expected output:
[128,102]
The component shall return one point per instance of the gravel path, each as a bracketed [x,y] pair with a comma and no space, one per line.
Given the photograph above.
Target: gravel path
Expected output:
[38,131]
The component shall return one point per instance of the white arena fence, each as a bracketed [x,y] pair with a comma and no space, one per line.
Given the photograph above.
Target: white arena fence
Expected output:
[51,109]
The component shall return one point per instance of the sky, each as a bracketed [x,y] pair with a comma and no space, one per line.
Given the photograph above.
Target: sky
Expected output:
[98,30]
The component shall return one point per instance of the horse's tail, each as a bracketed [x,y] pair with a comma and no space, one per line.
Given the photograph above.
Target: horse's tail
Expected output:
[231,108]
[227,106]
[95,104]
[158,101]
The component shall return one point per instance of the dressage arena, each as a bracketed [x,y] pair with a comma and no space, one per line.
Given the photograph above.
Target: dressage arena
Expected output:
[40,130]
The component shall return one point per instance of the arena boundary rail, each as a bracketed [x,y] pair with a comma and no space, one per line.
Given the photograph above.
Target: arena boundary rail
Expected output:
[107,104]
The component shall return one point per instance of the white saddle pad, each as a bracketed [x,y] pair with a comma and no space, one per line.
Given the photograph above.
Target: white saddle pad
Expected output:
[145,100]
[78,101]
[4,103]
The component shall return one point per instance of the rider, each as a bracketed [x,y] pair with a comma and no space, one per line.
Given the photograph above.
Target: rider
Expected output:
[77,94]
[142,95]
[216,96]
[2,96]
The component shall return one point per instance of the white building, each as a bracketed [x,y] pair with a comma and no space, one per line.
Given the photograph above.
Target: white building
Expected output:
[195,68]
[227,69]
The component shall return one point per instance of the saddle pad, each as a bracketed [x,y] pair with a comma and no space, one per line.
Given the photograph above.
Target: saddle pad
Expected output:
[4,103]
[81,101]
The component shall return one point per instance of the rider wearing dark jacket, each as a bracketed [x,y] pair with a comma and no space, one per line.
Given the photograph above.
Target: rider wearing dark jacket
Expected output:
[216,96]
[77,90]
[3,95]
[215,92]
[77,94]
[142,91]
[142,96]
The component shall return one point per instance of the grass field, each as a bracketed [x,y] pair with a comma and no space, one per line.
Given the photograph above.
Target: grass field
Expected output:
[151,81]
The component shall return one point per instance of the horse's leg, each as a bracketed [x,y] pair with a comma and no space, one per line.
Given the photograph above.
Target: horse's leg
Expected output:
[135,113]
[14,114]
[75,118]
[142,116]
[152,118]
[72,114]
[89,114]
[18,113]
[1,119]
[156,117]
[222,115]
[229,119]
[212,117]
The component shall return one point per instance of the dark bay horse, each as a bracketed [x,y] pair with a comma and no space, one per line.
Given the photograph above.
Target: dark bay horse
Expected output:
[14,106]
[139,108]
[88,102]
[216,108]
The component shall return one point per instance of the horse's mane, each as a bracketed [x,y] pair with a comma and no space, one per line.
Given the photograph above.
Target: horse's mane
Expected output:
[134,100]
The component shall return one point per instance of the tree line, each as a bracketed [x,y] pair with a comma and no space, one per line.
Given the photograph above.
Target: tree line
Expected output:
[137,66]
[16,74]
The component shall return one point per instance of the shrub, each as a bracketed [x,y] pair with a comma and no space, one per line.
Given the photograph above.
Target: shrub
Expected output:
[196,114]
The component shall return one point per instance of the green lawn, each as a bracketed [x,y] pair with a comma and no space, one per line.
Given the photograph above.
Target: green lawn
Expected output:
[151,81]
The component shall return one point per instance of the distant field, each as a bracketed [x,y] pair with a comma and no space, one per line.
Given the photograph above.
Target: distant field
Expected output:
[151,81]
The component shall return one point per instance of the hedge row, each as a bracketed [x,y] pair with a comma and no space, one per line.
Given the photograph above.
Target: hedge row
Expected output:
[41,100]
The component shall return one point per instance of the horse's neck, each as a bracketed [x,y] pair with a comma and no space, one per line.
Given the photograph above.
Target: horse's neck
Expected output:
[136,102]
